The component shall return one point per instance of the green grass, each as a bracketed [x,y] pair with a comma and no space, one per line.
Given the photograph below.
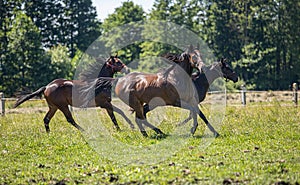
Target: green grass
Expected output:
[258,145]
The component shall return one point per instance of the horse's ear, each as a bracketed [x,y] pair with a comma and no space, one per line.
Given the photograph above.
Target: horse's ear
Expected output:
[181,58]
[189,49]
[223,61]
[116,56]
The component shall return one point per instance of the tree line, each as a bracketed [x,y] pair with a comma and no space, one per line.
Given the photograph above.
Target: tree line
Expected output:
[43,40]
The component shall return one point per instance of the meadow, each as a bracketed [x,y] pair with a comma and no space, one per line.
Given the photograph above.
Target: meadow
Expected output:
[259,144]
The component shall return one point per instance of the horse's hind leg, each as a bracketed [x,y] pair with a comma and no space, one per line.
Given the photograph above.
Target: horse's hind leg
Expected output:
[142,120]
[140,125]
[119,111]
[47,118]
[69,117]
[157,130]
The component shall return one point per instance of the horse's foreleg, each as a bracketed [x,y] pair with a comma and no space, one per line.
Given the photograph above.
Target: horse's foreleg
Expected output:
[195,124]
[193,114]
[119,111]
[186,120]
[211,128]
[110,112]
[69,117]
[48,117]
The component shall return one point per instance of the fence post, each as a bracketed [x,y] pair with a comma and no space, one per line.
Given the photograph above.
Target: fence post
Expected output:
[2,104]
[295,93]
[243,94]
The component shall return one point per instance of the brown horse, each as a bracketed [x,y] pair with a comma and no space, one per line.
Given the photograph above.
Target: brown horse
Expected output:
[202,81]
[61,93]
[169,87]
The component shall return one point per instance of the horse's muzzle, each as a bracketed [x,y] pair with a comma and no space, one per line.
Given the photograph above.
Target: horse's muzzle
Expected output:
[125,70]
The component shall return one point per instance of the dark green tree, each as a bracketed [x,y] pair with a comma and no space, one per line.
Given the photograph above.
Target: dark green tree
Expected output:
[61,65]
[8,9]
[117,22]
[223,29]
[24,55]
[66,22]
[80,26]
[270,56]
[46,15]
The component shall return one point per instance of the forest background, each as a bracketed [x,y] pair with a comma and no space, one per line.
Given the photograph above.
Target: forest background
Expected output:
[43,40]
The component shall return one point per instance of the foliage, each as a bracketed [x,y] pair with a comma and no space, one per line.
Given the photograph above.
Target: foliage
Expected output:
[70,23]
[24,54]
[258,145]
[37,38]
[117,22]
[61,63]
[260,38]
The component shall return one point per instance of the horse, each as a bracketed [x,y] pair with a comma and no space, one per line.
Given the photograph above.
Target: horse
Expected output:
[201,82]
[136,89]
[60,93]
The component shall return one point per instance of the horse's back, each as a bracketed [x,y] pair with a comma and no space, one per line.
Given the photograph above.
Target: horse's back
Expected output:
[59,92]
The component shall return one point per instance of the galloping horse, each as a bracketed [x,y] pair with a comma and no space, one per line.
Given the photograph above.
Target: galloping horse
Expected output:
[202,81]
[169,87]
[59,93]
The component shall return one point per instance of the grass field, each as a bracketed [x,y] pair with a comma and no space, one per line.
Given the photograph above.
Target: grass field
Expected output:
[258,145]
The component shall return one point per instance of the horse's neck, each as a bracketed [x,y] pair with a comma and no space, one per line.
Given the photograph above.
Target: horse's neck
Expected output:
[105,72]
[176,72]
[202,86]
[212,73]
[186,66]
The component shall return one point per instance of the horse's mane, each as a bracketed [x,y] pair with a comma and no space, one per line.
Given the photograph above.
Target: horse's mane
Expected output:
[92,70]
[92,88]
[174,57]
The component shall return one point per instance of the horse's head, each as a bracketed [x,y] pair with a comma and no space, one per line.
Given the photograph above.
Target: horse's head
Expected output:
[194,57]
[227,71]
[116,65]
[188,60]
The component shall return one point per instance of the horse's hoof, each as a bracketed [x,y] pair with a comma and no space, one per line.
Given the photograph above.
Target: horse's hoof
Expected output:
[161,136]
[193,130]
[118,129]
[144,133]
[180,124]
[216,134]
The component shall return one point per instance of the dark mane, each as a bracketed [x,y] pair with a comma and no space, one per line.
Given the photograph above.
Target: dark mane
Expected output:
[92,70]
[174,57]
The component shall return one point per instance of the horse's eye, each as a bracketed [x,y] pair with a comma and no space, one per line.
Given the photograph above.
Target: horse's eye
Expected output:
[194,58]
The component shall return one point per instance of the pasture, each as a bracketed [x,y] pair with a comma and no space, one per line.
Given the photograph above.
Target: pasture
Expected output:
[259,144]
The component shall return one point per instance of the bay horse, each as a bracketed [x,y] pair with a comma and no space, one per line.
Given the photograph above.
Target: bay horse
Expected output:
[202,81]
[60,93]
[170,86]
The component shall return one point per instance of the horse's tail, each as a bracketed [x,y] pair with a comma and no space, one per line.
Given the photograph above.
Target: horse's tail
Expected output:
[29,96]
